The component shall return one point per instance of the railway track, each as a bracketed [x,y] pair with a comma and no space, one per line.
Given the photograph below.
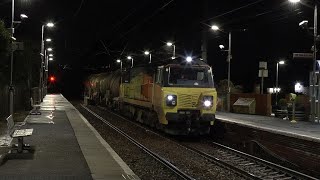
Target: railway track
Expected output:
[243,164]
[160,159]
[248,165]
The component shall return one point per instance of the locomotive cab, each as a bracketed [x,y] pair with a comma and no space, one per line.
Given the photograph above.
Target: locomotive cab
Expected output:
[185,97]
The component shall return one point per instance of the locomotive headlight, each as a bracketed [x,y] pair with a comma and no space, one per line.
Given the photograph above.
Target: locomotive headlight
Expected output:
[171,100]
[207,101]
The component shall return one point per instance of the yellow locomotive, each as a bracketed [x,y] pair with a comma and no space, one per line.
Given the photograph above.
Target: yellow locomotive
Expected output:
[178,98]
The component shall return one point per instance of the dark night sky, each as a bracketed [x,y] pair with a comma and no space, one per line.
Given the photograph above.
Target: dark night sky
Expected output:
[133,26]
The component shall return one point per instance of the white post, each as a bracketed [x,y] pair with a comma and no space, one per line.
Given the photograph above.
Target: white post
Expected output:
[277,81]
[313,96]
[150,58]
[229,68]
[41,66]
[174,51]
[131,62]
[11,88]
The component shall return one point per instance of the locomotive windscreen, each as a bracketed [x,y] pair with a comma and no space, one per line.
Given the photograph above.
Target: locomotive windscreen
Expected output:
[190,77]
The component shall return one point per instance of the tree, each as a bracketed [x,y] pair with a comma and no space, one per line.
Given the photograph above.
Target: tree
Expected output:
[4,51]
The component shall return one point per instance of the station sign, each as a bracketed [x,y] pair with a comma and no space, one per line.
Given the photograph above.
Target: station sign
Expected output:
[17,46]
[302,55]
[263,73]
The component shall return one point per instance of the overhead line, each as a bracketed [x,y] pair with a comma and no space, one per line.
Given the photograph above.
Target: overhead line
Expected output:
[234,10]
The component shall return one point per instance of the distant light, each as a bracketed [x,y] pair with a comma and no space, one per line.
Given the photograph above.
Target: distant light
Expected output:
[23,16]
[118,61]
[146,52]
[189,59]
[294,1]
[129,57]
[281,62]
[50,24]
[50,59]
[49,49]
[215,27]
[169,43]
[298,88]
[13,38]
[50,55]
[221,46]
[48,40]
[52,78]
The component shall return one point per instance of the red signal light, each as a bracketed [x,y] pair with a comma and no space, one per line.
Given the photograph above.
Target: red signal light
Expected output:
[52,79]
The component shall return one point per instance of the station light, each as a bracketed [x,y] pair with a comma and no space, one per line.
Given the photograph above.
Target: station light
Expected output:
[281,62]
[215,27]
[50,55]
[50,59]
[294,1]
[48,40]
[23,16]
[169,43]
[189,59]
[221,46]
[50,24]
[129,57]
[118,61]
[49,49]
[146,52]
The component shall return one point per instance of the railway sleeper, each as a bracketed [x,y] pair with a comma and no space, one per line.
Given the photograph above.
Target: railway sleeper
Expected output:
[278,176]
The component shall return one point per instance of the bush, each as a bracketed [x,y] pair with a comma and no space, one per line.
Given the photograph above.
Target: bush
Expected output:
[282,102]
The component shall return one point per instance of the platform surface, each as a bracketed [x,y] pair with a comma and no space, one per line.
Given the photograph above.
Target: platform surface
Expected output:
[302,129]
[66,147]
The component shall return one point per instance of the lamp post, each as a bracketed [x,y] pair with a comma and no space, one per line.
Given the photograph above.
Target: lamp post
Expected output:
[315,34]
[43,64]
[130,58]
[217,28]
[148,53]
[11,87]
[277,80]
[174,49]
[119,61]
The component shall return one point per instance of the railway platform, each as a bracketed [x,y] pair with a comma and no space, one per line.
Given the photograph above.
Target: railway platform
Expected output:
[65,146]
[301,129]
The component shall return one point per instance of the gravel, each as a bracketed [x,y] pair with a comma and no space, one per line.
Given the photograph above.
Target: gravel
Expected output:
[145,166]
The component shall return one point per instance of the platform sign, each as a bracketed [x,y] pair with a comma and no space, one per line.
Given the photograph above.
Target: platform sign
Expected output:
[18,46]
[302,56]
[263,65]
[263,73]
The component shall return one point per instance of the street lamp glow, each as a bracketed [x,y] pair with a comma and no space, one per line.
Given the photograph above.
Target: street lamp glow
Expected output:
[50,55]
[50,24]
[189,59]
[294,1]
[169,43]
[50,49]
[48,40]
[146,52]
[221,46]
[50,59]
[118,61]
[129,57]
[215,27]
[23,16]
[281,62]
